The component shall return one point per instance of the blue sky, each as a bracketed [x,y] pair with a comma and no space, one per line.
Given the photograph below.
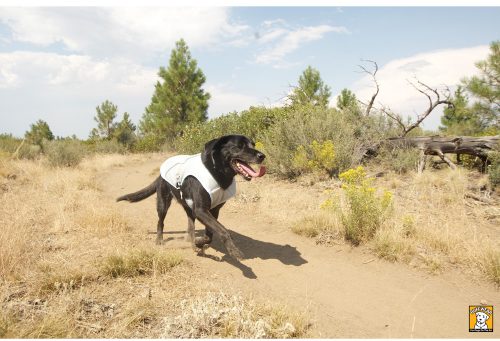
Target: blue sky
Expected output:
[58,64]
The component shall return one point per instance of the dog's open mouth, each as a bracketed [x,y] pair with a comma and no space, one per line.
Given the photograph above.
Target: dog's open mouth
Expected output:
[246,171]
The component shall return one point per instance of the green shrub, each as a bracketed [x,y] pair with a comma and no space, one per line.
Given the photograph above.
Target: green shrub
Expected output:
[316,157]
[252,123]
[64,153]
[29,151]
[365,211]
[108,147]
[400,160]
[494,169]
[289,142]
[148,143]
[9,143]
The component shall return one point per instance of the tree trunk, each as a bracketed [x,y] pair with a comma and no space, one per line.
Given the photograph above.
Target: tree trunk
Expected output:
[439,146]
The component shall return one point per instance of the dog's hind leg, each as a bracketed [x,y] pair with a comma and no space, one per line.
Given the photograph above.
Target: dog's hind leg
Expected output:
[190,229]
[163,201]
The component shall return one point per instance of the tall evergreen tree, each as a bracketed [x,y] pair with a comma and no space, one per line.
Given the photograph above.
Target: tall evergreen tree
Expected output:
[106,113]
[178,99]
[459,118]
[38,132]
[311,89]
[486,88]
[347,101]
[125,131]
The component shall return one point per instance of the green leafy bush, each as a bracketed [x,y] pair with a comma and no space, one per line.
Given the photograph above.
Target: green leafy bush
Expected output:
[29,151]
[289,143]
[64,153]
[494,169]
[9,143]
[253,123]
[148,143]
[401,160]
[108,147]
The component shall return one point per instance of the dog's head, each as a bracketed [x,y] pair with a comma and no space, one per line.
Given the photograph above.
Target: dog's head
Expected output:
[481,317]
[233,154]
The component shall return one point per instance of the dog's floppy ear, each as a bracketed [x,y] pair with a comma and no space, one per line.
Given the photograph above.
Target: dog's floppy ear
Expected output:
[208,152]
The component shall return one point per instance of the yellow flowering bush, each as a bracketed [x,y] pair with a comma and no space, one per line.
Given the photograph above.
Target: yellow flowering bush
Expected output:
[365,211]
[318,156]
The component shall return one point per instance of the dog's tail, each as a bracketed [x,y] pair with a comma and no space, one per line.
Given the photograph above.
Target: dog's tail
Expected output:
[141,194]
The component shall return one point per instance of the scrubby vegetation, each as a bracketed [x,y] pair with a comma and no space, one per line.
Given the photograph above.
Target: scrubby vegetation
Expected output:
[76,267]
[90,273]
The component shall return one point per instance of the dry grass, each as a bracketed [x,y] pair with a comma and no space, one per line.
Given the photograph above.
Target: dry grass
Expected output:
[76,267]
[434,225]
[217,315]
[140,262]
[318,224]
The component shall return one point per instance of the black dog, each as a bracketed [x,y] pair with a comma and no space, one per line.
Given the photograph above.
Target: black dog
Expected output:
[186,174]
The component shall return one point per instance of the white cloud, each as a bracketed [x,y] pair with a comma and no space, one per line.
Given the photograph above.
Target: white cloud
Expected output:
[120,31]
[64,90]
[435,68]
[224,101]
[283,41]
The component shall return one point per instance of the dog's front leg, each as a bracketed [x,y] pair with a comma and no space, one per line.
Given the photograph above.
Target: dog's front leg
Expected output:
[209,220]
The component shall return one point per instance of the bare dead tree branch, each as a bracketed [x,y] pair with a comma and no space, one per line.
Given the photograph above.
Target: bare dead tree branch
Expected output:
[425,90]
[395,117]
[373,74]
[434,97]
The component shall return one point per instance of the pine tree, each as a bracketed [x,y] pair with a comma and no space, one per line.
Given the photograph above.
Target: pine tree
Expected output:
[459,119]
[106,113]
[179,99]
[311,89]
[38,132]
[486,88]
[347,101]
[125,131]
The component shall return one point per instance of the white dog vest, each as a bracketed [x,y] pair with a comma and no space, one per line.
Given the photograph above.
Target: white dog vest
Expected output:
[175,169]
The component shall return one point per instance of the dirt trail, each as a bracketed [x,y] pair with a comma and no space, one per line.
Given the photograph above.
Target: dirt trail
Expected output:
[346,292]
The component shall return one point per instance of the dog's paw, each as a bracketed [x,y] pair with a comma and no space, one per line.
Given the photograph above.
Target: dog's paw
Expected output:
[201,241]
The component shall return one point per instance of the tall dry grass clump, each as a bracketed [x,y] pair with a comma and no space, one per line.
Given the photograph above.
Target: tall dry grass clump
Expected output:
[218,315]
[139,262]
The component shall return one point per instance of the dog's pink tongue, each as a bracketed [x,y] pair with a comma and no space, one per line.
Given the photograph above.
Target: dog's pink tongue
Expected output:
[262,171]
[253,173]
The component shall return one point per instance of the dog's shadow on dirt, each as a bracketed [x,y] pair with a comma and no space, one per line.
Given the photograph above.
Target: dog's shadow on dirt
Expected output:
[253,248]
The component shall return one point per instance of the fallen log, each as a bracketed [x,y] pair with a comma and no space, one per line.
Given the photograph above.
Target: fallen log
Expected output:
[439,146]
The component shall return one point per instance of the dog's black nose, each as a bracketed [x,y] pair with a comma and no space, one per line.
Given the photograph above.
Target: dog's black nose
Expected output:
[261,156]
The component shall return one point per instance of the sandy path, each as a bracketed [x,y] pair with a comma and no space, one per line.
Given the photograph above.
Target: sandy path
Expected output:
[346,291]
